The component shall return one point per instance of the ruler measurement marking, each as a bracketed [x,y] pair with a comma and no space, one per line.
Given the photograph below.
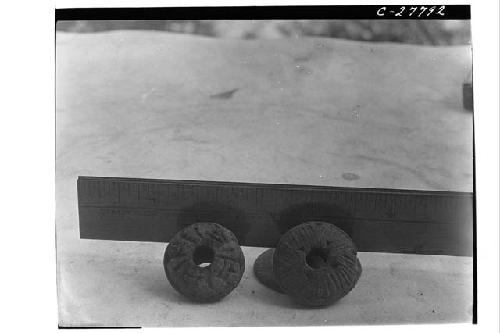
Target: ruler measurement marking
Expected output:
[101,189]
[257,213]
[174,193]
[390,203]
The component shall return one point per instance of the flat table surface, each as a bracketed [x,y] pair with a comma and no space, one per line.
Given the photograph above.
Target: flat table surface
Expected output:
[308,111]
[107,283]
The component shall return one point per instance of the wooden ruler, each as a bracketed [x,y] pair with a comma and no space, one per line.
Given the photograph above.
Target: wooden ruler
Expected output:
[378,220]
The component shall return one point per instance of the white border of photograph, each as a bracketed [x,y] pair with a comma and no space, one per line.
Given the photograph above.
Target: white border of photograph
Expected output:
[28,244]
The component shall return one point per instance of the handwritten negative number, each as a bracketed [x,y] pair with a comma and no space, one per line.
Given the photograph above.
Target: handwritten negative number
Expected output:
[382,11]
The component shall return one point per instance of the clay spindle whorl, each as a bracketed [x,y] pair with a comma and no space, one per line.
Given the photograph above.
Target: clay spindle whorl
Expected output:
[204,262]
[316,264]
[263,270]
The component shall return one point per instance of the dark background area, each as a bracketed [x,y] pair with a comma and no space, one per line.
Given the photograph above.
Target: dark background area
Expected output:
[421,32]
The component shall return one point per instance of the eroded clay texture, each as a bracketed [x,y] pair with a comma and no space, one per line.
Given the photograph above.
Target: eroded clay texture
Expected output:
[316,264]
[204,262]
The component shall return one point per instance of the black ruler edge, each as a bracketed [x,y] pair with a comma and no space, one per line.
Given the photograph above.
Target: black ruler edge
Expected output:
[280,186]
[425,235]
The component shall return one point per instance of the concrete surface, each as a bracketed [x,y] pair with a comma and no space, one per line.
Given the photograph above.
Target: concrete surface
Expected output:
[107,283]
[311,111]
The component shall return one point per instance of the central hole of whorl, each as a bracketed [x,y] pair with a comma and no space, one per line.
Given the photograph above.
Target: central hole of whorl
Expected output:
[203,256]
[317,257]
